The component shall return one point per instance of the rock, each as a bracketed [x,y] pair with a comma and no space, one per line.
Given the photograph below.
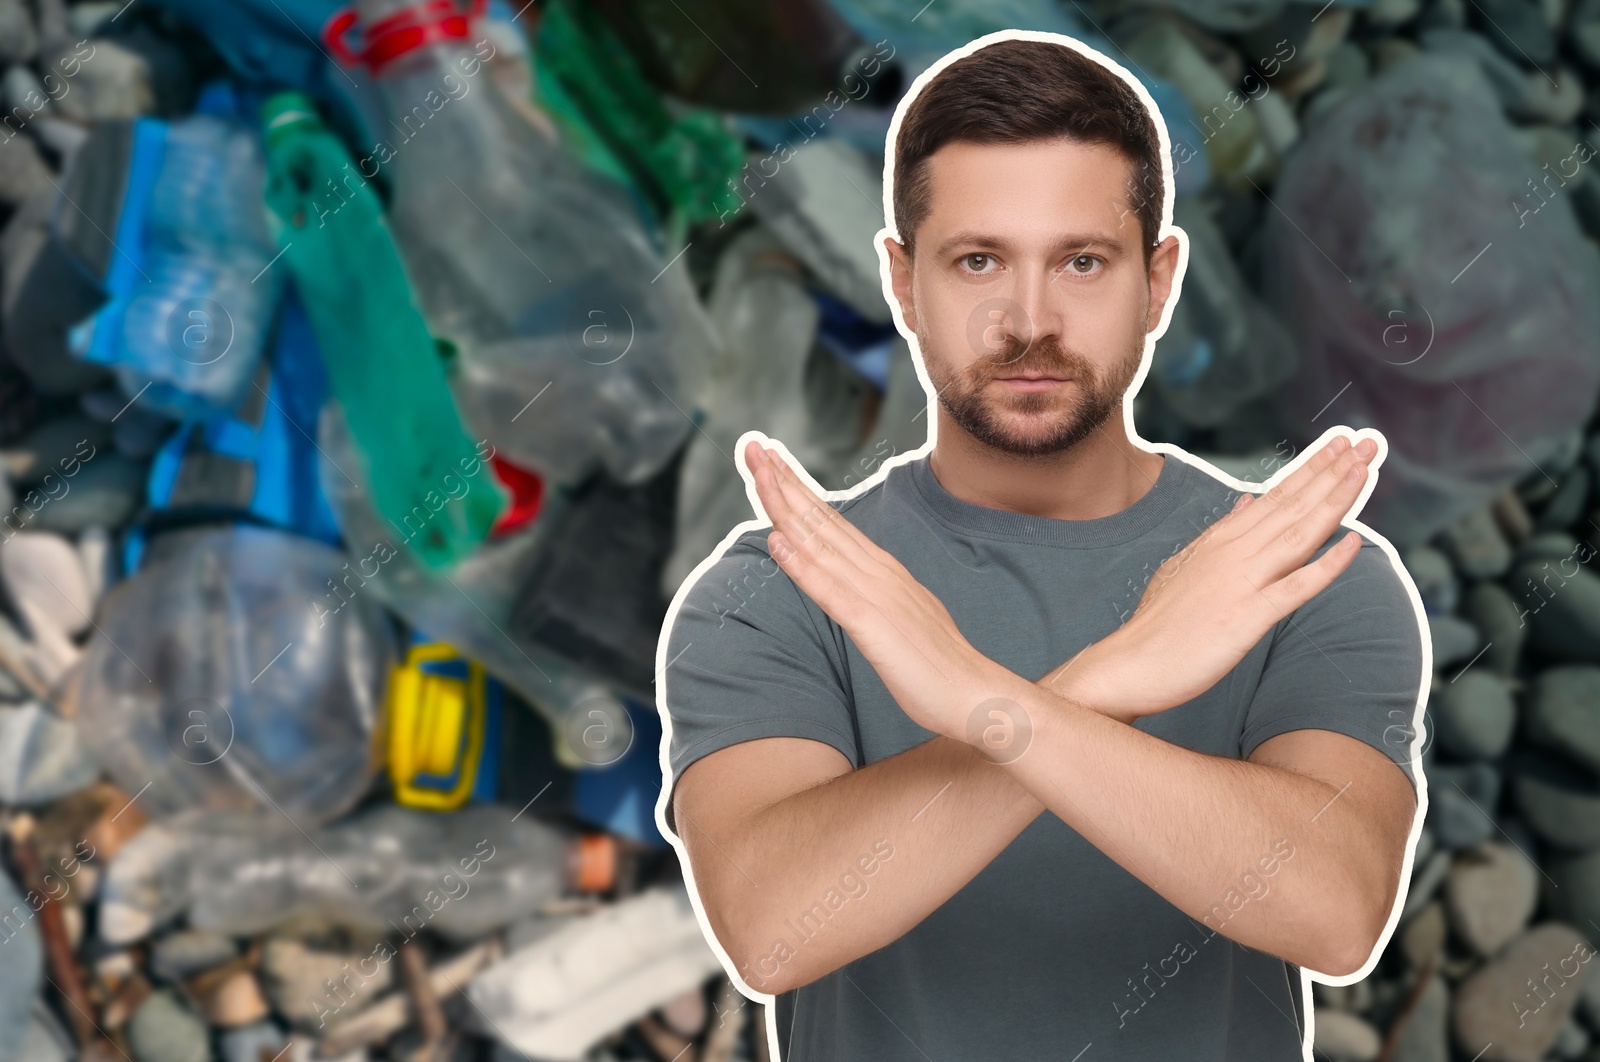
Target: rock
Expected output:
[686,1015]
[1390,13]
[1425,880]
[23,170]
[1566,507]
[1584,31]
[180,955]
[309,984]
[105,493]
[46,582]
[1510,81]
[1510,512]
[139,433]
[1555,97]
[1454,640]
[1564,712]
[42,759]
[1571,893]
[1561,603]
[1425,1036]
[1528,1027]
[1496,614]
[1561,804]
[1518,30]
[58,447]
[234,1001]
[87,16]
[19,39]
[1477,545]
[1491,894]
[1548,546]
[23,96]
[1572,1041]
[1423,936]
[246,1043]
[1443,14]
[1460,799]
[1343,1037]
[1474,715]
[164,1030]
[1435,578]
[98,560]
[112,83]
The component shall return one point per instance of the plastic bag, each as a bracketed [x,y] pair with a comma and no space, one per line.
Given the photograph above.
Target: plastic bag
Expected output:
[1425,304]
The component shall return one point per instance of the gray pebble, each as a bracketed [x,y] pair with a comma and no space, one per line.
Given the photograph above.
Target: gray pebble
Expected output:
[1425,1037]
[1474,715]
[1566,506]
[1477,546]
[1454,640]
[1434,576]
[1490,895]
[106,492]
[1496,614]
[19,39]
[1460,801]
[164,1030]
[186,952]
[1564,712]
[54,446]
[1561,602]
[1559,802]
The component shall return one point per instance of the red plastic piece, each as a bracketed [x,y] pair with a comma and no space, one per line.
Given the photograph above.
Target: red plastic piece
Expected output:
[400,33]
[527,495]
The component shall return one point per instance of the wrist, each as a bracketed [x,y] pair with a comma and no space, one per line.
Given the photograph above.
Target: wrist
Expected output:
[1091,679]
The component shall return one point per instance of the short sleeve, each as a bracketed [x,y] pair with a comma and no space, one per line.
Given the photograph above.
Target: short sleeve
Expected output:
[747,658]
[1349,660]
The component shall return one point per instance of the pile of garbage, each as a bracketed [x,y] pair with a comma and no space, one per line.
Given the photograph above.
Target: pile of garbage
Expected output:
[370,381]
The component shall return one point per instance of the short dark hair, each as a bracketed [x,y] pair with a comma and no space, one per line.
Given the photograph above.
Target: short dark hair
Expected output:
[1015,91]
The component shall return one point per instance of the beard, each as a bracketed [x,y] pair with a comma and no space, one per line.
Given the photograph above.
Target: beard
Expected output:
[1061,417]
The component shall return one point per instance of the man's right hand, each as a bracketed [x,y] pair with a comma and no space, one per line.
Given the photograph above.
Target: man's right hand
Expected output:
[1209,604]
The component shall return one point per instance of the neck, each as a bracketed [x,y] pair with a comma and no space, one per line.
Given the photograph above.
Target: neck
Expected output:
[1101,475]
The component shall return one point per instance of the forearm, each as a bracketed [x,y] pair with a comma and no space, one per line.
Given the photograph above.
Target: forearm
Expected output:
[1192,826]
[794,896]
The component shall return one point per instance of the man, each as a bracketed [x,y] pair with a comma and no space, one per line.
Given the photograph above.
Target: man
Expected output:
[1045,744]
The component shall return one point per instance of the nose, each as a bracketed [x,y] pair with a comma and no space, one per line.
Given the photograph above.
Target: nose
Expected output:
[1035,310]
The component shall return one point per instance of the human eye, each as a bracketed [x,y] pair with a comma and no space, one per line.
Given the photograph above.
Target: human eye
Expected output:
[978,264]
[1083,265]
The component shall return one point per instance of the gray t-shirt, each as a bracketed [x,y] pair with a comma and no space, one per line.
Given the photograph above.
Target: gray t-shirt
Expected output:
[1053,946]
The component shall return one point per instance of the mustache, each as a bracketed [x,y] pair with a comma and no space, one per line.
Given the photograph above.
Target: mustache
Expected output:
[1045,358]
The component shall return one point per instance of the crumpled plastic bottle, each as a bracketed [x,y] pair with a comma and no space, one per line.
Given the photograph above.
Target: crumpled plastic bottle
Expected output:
[192,299]
[769,326]
[460,874]
[216,680]
[380,360]
[580,347]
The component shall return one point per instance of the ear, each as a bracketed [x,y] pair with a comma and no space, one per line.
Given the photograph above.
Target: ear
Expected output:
[1163,267]
[900,279]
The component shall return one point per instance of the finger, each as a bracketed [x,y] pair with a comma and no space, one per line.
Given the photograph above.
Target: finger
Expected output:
[1305,583]
[1298,524]
[1296,481]
[815,520]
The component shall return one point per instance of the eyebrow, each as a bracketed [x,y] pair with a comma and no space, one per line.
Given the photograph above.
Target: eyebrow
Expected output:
[1068,240]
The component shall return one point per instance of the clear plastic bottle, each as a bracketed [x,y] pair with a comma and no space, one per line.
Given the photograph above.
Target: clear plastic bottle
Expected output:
[195,332]
[538,272]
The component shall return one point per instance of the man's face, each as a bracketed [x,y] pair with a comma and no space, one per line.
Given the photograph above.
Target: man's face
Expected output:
[1029,292]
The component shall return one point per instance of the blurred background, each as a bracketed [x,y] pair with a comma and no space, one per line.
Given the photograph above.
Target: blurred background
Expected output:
[371,378]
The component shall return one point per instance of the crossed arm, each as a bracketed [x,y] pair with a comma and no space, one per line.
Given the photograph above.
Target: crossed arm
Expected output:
[771,825]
